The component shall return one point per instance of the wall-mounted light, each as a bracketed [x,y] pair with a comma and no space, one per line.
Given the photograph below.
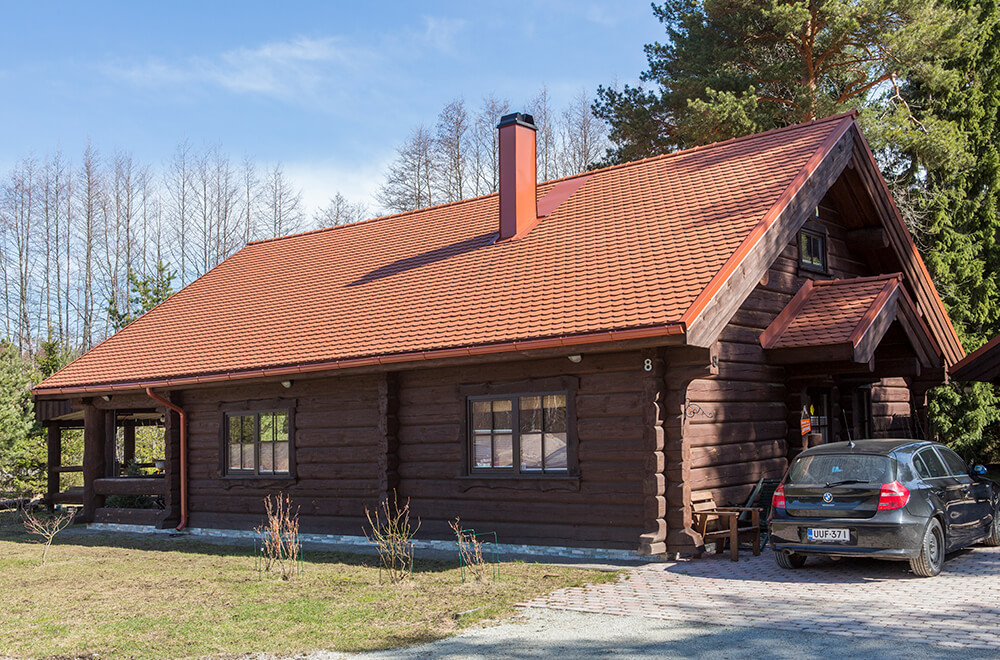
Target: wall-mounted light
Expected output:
[576,358]
[106,397]
[286,384]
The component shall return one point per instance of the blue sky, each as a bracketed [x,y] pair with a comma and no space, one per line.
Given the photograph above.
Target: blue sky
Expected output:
[327,88]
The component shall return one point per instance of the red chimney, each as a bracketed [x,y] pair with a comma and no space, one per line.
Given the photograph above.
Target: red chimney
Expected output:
[518,179]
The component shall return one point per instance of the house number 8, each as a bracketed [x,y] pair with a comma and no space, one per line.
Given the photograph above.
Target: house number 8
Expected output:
[647,364]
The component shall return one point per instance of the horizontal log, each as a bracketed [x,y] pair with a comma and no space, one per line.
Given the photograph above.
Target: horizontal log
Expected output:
[130,486]
[609,428]
[538,512]
[739,412]
[433,488]
[729,432]
[429,433]
[609,405]
[738,453]
[337,419]
[320,456]
[728,475]
[355,437]
[717,390]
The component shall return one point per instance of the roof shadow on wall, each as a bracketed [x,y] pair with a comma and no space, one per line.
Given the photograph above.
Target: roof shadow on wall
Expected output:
[425,258]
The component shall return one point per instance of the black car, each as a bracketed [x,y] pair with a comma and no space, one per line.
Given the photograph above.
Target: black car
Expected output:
[889,499]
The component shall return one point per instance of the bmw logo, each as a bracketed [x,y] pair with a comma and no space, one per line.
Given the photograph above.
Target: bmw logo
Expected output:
[827,497]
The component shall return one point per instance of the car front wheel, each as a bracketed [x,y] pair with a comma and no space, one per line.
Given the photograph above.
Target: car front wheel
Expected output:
[786,559]
[931,558]
[994,535]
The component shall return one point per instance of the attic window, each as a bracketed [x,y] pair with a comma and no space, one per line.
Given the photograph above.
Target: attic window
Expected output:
[812,250]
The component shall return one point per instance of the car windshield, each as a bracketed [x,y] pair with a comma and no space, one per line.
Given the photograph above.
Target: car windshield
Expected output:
[840,469]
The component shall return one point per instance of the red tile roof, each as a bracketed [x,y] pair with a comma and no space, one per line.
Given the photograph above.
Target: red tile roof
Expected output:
[630,249]
[831,312]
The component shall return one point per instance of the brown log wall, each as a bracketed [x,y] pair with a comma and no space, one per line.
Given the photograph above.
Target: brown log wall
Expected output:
[358,438]
[603,508]
[741,420]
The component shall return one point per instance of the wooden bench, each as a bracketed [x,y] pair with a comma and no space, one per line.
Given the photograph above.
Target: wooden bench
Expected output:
[723,523]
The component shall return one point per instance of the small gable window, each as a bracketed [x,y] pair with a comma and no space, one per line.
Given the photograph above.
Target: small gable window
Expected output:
[812,250]
[258,443]
[524,434]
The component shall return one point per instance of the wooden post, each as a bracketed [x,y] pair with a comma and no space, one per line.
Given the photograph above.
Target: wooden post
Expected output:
[128,442]
[54,437]
[172,470]
[95,440]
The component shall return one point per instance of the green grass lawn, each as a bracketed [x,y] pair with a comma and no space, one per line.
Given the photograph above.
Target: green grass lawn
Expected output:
[111,596]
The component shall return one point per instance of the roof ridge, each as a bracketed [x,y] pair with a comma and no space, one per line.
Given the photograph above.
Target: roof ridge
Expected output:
[616,166]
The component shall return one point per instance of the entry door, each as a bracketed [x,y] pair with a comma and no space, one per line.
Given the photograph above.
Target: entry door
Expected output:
[818,406]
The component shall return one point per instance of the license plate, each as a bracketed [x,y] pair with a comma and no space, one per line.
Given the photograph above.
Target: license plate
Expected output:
[828,534]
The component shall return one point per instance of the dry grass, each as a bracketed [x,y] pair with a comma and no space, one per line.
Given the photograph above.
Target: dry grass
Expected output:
[112,596]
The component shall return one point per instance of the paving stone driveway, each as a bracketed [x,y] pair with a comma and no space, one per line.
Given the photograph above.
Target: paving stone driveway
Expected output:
[960,608]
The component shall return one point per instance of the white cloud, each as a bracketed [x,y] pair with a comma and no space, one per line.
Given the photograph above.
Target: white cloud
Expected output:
[320,180]
[302,69]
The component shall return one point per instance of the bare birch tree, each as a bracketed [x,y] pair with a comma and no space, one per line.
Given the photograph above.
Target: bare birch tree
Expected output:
[450,155]
[282,204]
[340,211]
[486,145]
[583,136]
[546,149]
[408,183]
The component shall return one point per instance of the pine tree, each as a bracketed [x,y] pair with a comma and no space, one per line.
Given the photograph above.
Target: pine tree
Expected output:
[737,67]
[960,240]
[145,293]
[22,445]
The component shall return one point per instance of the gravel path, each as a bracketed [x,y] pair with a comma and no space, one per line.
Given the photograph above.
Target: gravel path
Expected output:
[541,633]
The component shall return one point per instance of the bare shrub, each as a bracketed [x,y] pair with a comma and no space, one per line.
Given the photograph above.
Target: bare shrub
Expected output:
[470,549]
[279,536]
[46,526]
[392,535]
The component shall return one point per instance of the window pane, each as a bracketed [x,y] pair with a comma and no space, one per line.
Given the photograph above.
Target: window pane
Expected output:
[503,448]
[281,455]
[249,432]
[267,457]
[555,413]
[555,451]
[266,427]
[483,451]
[531,451]
[482,416]
[234,428]
[502,417]
[247,457]
[530,414]
[235,460]
[281,427]
[956,465]
[934,464]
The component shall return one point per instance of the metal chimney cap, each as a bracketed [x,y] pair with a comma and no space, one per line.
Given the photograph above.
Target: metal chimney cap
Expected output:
[518,118]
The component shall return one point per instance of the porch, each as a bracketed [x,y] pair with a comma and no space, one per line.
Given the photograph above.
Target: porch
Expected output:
[111,457]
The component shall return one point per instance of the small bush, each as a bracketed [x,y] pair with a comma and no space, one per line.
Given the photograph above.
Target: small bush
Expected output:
[46,526]
[470,550]
[392,535]
[279,536]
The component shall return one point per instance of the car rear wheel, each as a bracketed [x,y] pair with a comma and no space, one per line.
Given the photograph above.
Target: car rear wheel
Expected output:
[787,559]
[994,536]
[931,558]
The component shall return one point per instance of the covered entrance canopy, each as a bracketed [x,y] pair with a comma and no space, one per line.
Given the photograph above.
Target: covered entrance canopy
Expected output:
[837,338]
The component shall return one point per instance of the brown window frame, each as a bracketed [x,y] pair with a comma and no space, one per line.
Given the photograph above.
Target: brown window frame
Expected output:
[256,409]
[563,386]
[824,256]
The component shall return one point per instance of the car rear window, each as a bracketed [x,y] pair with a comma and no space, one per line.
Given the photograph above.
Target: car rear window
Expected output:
[823,469]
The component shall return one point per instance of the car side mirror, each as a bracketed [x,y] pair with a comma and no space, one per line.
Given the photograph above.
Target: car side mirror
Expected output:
[979,470]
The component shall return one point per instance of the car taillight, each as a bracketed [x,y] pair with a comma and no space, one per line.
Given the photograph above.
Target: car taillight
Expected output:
[778,499]
[893,496]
